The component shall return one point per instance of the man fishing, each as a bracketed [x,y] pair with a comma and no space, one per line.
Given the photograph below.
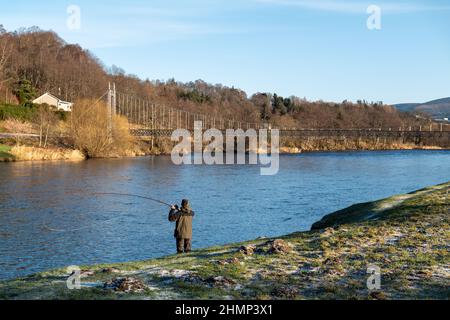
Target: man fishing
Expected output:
[183,227]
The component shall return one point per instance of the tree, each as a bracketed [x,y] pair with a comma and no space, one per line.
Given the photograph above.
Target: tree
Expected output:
[5,53]
[52,65]
[24,91]
[279,104]
[46,120]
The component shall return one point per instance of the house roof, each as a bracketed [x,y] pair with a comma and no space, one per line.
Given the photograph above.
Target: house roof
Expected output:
[53,96]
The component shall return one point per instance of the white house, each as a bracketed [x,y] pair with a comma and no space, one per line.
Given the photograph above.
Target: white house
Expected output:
[51,100]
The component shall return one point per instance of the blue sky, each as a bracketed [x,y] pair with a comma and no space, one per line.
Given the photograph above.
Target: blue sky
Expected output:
[318,49]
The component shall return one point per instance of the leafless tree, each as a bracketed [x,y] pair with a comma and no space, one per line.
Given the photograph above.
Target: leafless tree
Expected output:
[46,120]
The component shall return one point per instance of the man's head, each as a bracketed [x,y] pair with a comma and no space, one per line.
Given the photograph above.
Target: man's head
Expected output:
[185,204]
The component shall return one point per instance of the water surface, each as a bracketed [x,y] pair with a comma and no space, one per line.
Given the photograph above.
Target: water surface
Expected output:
[232,203]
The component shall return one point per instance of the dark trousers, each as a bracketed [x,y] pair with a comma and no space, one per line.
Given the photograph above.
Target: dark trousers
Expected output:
[183,245]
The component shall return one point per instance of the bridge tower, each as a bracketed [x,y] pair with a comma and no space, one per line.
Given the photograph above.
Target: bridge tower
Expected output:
[111,97]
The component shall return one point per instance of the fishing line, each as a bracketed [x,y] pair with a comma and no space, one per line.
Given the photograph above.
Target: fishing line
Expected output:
[132,195]
[108,220]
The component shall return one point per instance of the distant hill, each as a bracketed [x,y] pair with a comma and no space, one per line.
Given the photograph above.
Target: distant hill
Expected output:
[437,109]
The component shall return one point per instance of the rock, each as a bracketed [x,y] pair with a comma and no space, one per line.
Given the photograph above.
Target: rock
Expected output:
[424,273]
[307,267]
[332,261]
[377,295]
[229,261]
[193,279]
[85,273]
[248,250]
[125,285]
[221,281]
[280,246]
[173,273]
[328,232]
[287,292]
[110,270]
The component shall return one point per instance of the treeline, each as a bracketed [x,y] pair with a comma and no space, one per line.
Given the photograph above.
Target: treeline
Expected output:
[297,112]
[49,64]
[33,61]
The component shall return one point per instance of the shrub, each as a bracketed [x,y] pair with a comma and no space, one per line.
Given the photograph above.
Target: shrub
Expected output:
[62,115]
[23,113]
[17,126]
[88,129]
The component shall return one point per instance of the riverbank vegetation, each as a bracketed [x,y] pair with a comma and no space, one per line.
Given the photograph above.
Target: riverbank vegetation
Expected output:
[49,136]
[43,134]
[406,236]
[5,154]
[25,73]
[88,131]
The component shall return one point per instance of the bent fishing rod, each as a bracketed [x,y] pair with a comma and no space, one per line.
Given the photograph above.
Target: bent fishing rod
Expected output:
[132,195]
[110,194]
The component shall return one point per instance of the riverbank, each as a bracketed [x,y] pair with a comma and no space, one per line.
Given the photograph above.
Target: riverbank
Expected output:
[32,153]
[5,154]
[27,150]
[406,236]
[28,153]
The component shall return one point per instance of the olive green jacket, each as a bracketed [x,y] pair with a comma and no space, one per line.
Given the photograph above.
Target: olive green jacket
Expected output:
[183,219]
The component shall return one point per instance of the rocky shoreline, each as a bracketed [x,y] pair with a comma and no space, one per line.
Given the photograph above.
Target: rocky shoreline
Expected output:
[406,236]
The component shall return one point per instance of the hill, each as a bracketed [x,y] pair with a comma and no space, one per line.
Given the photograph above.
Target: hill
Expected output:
[34,61]
[406,236]
[436,109]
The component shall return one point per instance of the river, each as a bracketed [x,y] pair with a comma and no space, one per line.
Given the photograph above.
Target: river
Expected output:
[232,203]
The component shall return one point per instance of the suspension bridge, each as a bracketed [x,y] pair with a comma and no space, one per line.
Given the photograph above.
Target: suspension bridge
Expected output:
[147,118]
[152,120]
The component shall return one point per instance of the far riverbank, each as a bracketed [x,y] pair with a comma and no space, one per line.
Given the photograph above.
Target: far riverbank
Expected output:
[27,150]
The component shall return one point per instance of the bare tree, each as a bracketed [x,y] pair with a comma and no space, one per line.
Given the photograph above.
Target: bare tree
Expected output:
[46,120]
[5,53]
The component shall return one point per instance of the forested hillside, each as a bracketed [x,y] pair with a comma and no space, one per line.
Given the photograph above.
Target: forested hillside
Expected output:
[33,61]
[437,109]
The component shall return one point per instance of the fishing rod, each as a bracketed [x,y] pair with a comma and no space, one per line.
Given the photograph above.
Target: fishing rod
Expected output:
[110,194]
[132,195]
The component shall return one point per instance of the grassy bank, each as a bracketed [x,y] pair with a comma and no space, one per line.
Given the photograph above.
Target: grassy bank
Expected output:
[407,236]
[5,154]
[11,153]
[30,153]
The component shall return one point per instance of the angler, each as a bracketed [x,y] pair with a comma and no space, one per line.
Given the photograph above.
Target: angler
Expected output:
[183,225]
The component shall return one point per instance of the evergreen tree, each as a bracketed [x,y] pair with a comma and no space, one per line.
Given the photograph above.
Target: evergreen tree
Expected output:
[25,92]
